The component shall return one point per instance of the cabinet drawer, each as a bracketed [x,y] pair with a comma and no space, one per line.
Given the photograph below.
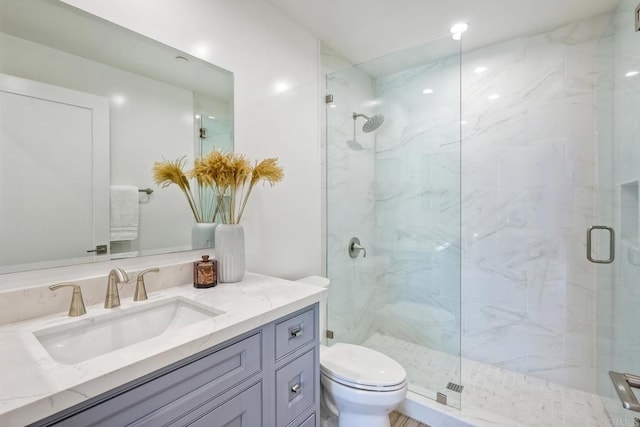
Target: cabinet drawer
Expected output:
[309,422]
[295,332]
[243,410]
[177,392]
[295,388]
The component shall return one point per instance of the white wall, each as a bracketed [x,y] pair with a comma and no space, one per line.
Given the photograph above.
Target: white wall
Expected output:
[261,47]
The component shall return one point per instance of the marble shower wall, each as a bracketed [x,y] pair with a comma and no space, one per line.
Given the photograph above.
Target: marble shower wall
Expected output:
[350,201]
[529,177]
[418,203]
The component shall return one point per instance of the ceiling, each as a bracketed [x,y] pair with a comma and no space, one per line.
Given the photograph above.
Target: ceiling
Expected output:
[68,29]
[365,29]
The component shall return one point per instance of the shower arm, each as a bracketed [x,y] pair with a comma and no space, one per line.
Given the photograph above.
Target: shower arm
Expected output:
[356,115]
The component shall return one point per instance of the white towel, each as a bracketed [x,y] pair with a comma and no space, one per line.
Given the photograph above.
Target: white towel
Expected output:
[124,212]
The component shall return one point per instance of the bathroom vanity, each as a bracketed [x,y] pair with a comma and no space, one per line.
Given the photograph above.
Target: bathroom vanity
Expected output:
[255,362]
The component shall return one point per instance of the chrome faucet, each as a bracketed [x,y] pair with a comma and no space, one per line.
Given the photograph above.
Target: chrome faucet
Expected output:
[112,299]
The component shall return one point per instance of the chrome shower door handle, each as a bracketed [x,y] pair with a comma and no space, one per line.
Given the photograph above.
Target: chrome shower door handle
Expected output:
[623,384]
[612,244]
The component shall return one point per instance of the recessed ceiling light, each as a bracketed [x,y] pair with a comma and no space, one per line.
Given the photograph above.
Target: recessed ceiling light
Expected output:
[494,96]
[119,100]
[632,73]
[200,50]
[427,91]
[480,69]
[460,27]
[281,86]
[197,116]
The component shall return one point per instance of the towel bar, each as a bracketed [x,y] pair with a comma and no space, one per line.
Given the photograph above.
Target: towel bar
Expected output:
[145,190]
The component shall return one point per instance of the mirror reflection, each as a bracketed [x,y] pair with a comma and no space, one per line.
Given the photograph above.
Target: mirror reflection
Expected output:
[86,108]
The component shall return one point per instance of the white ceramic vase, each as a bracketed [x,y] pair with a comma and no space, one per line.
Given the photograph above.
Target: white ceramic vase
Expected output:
[230,252]
[203,235]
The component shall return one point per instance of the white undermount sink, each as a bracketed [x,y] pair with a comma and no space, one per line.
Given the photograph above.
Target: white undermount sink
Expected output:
[88,338]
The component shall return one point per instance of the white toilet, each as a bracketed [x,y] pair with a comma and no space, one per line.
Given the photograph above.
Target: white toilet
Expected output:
[360,386]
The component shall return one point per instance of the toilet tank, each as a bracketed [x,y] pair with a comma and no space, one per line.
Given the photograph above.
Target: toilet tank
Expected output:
[322,282]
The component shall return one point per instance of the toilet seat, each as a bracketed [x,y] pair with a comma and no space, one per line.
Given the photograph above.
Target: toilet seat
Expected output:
[361,368]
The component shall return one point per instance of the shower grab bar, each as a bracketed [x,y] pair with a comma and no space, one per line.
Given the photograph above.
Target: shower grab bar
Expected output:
[612,244]
[623,384]
[145,190]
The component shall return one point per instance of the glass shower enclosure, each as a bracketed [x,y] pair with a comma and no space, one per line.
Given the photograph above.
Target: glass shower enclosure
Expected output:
[393,175]
[534,260]
[617,254]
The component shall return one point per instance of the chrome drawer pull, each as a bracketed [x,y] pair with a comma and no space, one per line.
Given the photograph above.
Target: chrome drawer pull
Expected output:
[295,332]
[296,388]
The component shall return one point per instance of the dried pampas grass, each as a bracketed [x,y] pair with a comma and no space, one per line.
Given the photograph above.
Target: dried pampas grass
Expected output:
[172,172]
[226,174]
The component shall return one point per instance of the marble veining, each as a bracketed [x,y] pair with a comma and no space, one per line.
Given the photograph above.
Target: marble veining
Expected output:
[36,386]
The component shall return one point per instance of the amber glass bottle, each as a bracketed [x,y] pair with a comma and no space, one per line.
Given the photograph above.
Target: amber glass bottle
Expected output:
[204,273]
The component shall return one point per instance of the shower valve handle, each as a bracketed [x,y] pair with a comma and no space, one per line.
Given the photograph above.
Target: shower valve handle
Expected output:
[355,247]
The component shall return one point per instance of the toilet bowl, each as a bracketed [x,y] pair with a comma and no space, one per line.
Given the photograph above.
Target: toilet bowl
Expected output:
[360,386]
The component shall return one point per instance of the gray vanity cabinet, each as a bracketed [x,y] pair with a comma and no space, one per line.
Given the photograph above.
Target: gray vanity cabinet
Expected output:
[268,377]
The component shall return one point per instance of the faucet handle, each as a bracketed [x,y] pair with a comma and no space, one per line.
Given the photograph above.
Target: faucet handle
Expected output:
[140,293]
[77,304]
[355,247]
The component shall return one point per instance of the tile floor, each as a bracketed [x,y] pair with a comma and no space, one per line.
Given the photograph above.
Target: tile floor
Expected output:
[494,396]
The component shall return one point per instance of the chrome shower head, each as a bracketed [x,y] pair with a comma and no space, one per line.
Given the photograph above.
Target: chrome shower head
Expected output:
[372,123]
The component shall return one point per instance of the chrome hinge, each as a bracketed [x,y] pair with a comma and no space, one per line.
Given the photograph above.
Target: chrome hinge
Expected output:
[638,18]
[441,398]
[99,250]
[328,99]
[203,133]
[329,334]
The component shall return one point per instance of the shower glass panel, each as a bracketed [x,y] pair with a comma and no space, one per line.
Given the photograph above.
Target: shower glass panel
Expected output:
[618,291]
[393,175]
[214,134]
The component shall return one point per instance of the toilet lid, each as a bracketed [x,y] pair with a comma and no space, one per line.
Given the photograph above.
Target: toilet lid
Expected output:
[360,366]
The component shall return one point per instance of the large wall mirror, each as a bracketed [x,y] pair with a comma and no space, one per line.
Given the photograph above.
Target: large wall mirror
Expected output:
[86,108]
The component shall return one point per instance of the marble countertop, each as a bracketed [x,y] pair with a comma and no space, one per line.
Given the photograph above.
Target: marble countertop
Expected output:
[33,385]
